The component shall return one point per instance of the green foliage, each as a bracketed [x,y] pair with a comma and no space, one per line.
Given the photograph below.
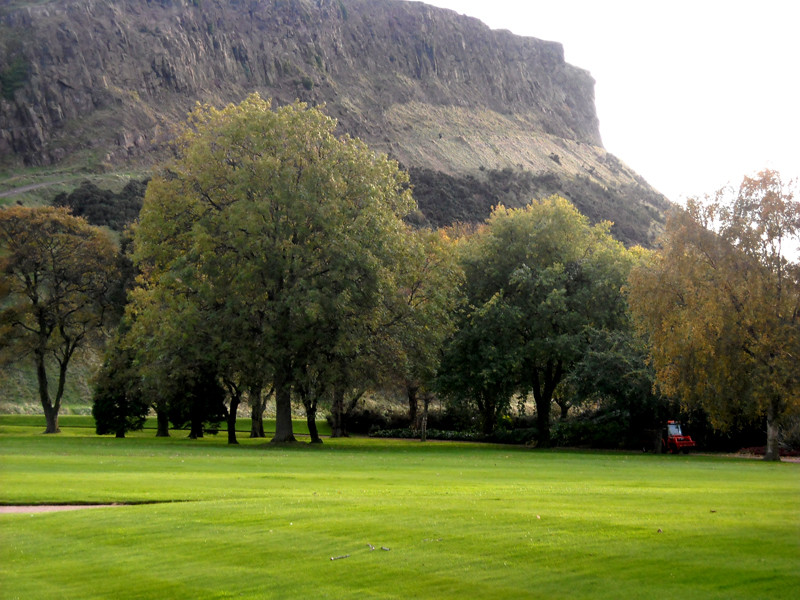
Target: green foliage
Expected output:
[13,77]
[538,281]
[198,401]
[103,207]
[118,402]
[406,433]
[424,314]
[270,247]
[615,375]
[481,363]
[604,429]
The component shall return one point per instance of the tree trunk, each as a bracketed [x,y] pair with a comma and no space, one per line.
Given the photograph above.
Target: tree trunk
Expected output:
[564,406]
[62,380]
[488,417]
[50,413]
[311,419]
[543,392]
[258,403]
[162,418]
[283,409]
[337,412]
[196,431]
[543,419]
[351,406]
[412,404]
[235,400]
[120,433]
[309,390]
[772,452]
[423,429]
[51,419]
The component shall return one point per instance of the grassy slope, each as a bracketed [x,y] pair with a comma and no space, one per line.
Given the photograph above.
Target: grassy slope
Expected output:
[38,186]
[19,390]
[461,520]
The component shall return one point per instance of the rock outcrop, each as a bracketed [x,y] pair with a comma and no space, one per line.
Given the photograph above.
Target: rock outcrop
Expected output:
[105,82]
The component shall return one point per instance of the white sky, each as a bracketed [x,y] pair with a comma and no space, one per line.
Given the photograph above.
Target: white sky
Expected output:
[691,94]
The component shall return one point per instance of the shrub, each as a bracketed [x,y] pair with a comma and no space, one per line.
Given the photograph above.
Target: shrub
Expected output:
[103,207]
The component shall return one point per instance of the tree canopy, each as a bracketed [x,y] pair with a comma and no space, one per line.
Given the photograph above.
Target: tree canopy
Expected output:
[279,239]
[721,303]
[538,280]
[58,283]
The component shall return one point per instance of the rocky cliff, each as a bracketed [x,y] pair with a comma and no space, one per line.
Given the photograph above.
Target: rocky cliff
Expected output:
[104,82]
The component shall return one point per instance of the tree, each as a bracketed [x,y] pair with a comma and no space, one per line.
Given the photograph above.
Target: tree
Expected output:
[278,232]
[429,295]
[720,302]
[198,400]
[615,374]
[538,279]
[119,403]
[58,277]
[481,363]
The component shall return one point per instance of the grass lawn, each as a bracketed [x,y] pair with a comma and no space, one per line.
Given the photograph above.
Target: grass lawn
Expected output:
[459,521]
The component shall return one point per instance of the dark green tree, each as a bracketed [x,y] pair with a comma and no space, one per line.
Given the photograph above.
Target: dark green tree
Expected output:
[481,363]
[546,277]
[119,403]
[616,376]
[197,401]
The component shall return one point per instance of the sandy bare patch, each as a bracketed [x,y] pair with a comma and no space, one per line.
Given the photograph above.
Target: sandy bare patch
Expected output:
[42,508]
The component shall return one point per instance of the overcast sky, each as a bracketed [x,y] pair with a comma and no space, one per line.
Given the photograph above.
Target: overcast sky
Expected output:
[691,94]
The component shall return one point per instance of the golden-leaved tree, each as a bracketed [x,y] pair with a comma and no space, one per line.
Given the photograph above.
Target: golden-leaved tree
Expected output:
[721,303]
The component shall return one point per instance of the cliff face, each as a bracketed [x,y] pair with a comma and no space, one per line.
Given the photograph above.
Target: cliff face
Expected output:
[106,81]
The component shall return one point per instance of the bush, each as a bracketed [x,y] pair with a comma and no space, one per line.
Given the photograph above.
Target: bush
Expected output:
[514,436]
[363,421]
[103,207]
[432,434]
[595,430]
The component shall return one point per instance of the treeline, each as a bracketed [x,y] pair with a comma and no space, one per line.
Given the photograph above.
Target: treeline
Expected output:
[276,262]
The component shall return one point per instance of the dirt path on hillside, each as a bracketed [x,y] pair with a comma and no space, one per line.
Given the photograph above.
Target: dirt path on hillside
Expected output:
[26,188]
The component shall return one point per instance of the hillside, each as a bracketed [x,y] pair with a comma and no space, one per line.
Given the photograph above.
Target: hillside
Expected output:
[478,116]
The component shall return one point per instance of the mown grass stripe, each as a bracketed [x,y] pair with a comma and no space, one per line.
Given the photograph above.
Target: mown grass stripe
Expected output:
[461,520]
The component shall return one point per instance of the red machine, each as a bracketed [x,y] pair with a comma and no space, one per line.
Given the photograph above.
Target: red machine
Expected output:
[674,441]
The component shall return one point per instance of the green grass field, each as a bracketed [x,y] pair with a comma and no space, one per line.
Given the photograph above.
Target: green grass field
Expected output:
[460,521]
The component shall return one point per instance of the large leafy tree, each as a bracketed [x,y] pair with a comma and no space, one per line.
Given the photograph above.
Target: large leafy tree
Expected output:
[538,280]
[721,303]
[403,342]
[58,281]
[278,232]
